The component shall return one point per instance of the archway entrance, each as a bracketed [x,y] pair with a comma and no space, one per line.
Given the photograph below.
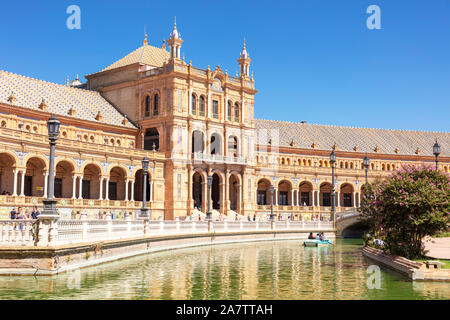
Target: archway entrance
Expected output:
[346,196]
[197,142]
[234,192]
[325,194]
[139,186]
[64,180]
[151,140]
[197,194]
[91,182]
[116,188]
[263,193]
[34,178]
[215,192]
[306,189]
[7,164]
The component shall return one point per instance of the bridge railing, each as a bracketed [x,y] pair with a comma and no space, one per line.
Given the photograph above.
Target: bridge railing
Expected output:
[64,232]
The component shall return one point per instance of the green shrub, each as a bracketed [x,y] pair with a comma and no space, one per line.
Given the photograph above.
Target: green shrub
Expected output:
[406,207]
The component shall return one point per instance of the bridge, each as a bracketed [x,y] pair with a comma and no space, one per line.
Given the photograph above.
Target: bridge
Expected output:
[350,224]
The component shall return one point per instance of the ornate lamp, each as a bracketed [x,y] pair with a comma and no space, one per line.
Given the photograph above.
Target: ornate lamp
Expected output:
[209,214]
[366,163]
[437,152]
[272,216]
[144,209]
[53,126]
[333,190]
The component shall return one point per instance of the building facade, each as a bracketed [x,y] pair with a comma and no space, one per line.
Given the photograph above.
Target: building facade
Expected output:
[192,124]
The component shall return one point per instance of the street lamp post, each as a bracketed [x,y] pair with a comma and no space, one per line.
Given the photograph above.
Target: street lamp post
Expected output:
[144,209]
[272,216]
[209,214]
[366,163]
[53,125]
[437,152]
[333,189]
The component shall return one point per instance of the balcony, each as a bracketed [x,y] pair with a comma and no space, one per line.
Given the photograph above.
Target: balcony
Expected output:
[213,158]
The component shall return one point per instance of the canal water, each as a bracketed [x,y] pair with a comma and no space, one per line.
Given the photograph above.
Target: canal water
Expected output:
[250,271]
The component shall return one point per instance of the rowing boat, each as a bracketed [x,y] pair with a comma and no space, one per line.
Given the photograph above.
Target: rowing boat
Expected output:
[316,243]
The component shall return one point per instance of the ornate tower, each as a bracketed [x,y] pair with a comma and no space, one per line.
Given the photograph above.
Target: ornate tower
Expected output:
[244,62]
[175,42]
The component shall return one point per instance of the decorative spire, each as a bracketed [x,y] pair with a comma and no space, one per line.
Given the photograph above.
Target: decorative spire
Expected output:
[175,42]
[145,39]
[244,61]
[175,34]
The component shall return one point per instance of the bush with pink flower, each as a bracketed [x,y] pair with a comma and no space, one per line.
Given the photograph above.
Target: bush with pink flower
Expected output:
[409,205]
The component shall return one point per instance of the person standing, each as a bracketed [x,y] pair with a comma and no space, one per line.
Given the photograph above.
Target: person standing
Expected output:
[35,214]
[13,214]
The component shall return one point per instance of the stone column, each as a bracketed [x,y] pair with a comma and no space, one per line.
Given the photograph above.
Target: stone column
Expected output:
[15,183]
[240,205]
[205,197]
[133,182]
[74,187]
[151,192]
[354,199]
[227,204]
[299,204]
[338,199]
[292,197]
[101,188]
[107,189]
[127,182]
[22,184]
[276,197]
[359,199]
[314,198]
[80,189]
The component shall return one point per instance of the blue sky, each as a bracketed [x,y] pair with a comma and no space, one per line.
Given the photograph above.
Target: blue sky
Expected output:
[313,60]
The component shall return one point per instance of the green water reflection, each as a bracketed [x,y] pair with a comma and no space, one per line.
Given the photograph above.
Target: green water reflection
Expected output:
[265,270]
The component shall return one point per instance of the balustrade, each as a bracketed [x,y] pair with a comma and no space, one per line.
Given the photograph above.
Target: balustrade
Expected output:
[22,232]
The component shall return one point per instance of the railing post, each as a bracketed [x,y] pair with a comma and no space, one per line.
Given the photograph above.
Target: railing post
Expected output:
[193,227]
[241,225]
[146,227]
[161,227]
[257,225]
[84,218]
[225,225]
[178,225]
[47,231]
[128,220]
[109,223]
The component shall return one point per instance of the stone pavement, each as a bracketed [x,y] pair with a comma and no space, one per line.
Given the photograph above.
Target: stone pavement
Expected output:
[438,248]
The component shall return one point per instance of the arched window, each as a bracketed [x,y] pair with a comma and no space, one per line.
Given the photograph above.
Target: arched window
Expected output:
[236,112]
[193,104]
[230,110]
[147,106]
[156,105]
[201,106]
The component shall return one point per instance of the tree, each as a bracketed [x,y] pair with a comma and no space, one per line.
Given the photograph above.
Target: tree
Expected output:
[409,205]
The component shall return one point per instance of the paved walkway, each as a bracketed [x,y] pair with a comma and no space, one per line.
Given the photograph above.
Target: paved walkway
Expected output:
[438,248]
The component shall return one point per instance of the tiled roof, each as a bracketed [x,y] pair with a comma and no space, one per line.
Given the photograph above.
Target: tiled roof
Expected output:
[146,55]
[59,99]
[347,138]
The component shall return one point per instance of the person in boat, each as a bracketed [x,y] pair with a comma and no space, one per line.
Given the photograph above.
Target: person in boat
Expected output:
[323,237]
[311,237]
